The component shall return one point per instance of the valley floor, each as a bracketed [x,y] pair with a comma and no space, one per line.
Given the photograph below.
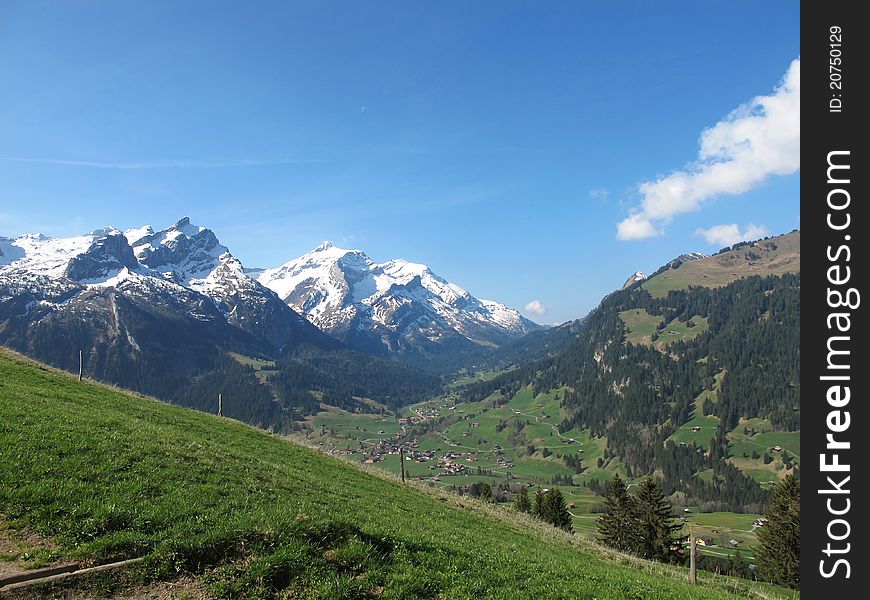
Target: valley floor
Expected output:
[458,444]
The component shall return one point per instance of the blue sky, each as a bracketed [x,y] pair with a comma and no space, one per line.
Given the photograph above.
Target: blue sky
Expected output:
[502,143]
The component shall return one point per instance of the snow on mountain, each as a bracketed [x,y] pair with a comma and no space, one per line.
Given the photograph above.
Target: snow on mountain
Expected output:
[394,303]
[40,255]
[184,253]
[179,260]
[689,256]
[137,233]
[637,276]
[392,307]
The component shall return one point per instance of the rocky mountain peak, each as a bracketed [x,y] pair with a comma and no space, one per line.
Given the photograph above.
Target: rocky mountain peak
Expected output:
[634,278]
[105,257]
[392,305]
[182,249]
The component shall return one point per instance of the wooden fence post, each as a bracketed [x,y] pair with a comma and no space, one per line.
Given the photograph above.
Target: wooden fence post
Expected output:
[693,572]
[220,404]
[402,462]
[81,364]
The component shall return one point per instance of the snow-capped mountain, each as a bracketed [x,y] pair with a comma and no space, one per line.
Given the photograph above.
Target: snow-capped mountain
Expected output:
[139,293]
[634,278]
[391,307]
[192,257]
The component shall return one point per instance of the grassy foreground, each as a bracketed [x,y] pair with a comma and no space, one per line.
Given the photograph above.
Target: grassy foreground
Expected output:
[111,475]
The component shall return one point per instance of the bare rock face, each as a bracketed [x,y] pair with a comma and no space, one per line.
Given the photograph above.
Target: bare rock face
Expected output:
[106,256]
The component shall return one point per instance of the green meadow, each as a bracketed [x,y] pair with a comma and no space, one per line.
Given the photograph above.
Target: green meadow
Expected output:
[109,475]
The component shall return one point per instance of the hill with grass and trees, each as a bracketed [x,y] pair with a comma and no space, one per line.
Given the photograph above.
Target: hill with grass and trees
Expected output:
[672,408]
[696,387]
[216,507]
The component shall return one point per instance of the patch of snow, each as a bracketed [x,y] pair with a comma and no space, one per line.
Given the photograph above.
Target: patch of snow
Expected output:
[9,251]
[109,280]
[132,341]
[41,255]
[134,235]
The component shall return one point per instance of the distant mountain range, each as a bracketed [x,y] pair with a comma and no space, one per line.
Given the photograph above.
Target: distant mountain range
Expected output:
[181,272]
[392,308]
[172,313]
[396,309]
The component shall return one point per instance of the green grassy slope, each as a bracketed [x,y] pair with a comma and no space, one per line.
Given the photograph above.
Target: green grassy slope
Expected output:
[640,326]
[112,475]
[778,255]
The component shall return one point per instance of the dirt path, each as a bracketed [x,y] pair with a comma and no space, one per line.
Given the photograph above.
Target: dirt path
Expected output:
[186,587]
[24,550]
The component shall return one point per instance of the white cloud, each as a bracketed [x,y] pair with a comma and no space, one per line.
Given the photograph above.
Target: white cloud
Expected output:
[535,307]
[727,235]
[635,227]
[758,139]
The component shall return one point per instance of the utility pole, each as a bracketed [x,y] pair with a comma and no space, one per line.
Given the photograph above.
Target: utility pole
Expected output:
[693,572]
[220,404]
[81,364]
[402,462]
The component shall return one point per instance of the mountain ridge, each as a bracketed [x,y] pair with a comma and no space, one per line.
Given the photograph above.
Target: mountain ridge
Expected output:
[179,260]
[396,306]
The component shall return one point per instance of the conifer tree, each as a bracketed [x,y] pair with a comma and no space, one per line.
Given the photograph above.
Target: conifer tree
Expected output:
[547,507]
[779,552]
[522,502]
[538,510]
[485,492]
[735,567]
[556,510]
[616,527]
[655,526]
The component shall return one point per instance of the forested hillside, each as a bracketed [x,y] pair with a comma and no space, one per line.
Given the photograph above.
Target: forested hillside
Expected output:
[644,367]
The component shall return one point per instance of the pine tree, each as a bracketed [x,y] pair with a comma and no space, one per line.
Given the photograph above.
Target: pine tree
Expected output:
[485,492]
[616,527]
[656,529]
[779,552]
[522,502]
[735,567]
[538,510]
[556,510]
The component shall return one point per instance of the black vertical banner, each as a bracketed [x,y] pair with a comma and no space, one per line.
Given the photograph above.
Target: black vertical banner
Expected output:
[835,431]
